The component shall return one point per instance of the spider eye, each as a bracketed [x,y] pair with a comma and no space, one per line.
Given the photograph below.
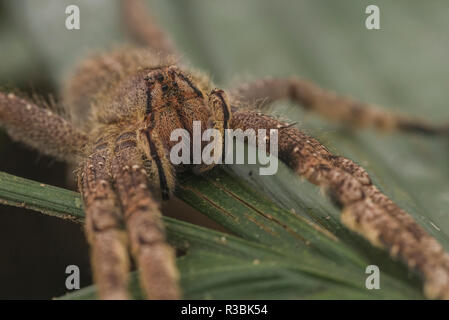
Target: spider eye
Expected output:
[160,77]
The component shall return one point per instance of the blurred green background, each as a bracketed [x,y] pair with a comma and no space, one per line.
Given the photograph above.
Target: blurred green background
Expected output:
[403,67]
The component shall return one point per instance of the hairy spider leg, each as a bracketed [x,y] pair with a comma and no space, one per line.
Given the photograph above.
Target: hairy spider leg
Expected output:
[330,105]
[219,120]
[155,258]
[364,208]
[104,225]
[143,28]
[40,128]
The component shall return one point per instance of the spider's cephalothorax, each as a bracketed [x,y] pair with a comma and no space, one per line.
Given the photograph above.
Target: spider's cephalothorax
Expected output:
[143,104]
[124,106]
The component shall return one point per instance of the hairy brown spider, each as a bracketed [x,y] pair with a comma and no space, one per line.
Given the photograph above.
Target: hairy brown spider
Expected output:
[123,107]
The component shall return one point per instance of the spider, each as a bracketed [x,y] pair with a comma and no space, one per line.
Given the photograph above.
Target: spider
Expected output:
[123,106]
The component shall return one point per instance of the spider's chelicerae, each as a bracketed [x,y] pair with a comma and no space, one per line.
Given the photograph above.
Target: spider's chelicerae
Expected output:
[123,107]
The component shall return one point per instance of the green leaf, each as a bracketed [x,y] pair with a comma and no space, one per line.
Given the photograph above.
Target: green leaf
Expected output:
[15,191]
[274,253]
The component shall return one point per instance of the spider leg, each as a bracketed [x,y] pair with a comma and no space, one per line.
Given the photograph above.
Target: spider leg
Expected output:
[364,208]
[155,258]
[104,226]
[39,128]
[220,116]
[330,105]
[144,29]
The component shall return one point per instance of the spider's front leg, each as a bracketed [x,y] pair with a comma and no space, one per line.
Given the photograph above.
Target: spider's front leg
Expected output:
[104,225]
[364,208]
[330,105]
[155,258]
[114,186]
